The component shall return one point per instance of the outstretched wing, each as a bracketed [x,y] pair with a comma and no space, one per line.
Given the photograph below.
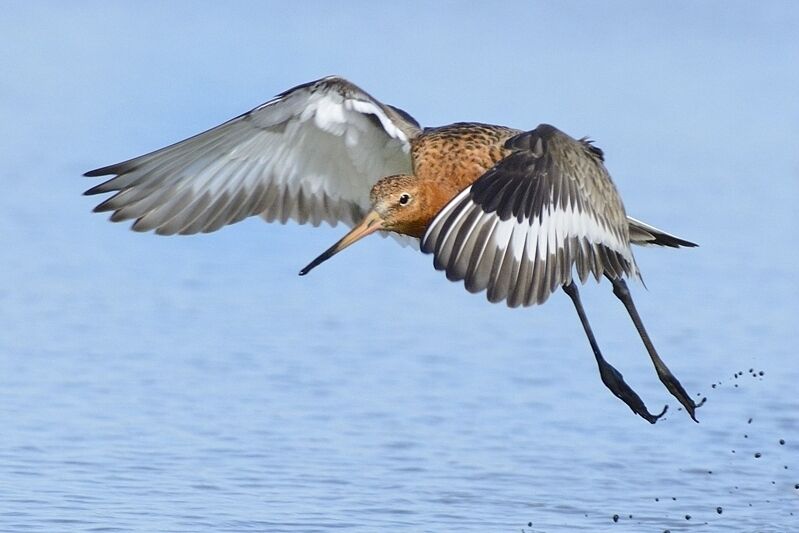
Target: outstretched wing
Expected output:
[311,154]
[521,228]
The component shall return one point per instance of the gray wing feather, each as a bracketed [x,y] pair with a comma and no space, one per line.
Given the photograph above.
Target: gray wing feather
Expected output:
[546,210]
[310,155]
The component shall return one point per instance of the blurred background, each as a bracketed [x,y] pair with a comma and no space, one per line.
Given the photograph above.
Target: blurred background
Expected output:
[198,384]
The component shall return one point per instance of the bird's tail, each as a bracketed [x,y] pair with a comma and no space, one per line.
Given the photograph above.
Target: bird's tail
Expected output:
[644,234]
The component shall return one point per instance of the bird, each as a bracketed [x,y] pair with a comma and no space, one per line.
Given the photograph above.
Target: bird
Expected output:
[517,214]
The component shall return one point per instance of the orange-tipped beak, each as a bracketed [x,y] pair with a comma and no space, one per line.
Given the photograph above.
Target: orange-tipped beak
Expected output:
[370,224]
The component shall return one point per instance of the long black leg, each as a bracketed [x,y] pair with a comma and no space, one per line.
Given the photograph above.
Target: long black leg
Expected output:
[666,377]
[611,377]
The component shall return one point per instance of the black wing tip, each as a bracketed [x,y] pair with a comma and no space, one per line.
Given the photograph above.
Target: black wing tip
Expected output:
[110,170]
[673,242]
[97,189]
[426,246]
[103,171]
[104,208]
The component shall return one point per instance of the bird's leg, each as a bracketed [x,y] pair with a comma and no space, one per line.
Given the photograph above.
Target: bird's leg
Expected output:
[666,377]
[611,377]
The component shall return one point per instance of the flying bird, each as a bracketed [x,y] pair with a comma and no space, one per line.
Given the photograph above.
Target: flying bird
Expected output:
[517,214]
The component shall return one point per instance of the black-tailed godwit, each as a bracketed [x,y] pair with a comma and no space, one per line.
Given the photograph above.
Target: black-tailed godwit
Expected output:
[511,212]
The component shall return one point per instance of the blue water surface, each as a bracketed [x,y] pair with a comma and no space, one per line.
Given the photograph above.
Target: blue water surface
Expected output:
[198,384]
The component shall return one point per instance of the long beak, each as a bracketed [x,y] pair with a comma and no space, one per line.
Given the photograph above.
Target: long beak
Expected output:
[370,224]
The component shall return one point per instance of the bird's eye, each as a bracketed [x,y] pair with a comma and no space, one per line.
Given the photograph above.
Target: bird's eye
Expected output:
[404,198]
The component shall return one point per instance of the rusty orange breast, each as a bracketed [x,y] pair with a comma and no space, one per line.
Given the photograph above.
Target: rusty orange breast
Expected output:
[448,159]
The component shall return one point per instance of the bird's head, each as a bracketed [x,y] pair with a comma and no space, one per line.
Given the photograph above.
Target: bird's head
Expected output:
[397,205]
[400,203]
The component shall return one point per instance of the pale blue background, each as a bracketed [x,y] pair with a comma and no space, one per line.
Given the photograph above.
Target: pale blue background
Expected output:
[198,384]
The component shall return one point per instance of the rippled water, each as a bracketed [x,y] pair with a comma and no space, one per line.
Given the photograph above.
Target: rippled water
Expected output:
[199,384]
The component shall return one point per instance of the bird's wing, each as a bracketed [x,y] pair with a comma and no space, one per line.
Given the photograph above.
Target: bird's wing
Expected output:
[519,230]
[311,154]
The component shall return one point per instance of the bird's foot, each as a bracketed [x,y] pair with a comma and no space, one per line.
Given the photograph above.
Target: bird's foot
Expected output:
[614,381]
[676,389]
